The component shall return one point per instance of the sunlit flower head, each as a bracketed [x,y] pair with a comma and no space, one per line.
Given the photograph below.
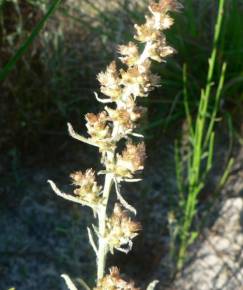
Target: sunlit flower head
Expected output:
[130,53]
[110,82]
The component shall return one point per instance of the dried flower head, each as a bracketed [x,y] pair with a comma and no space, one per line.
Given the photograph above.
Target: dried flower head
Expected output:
[87,189]
[126,118]
[130,53]
[146,32]
[159,21]
[159,50]
[110,82]
[113,281]
[130,161]
[121,230]
[99,130]
[137,83]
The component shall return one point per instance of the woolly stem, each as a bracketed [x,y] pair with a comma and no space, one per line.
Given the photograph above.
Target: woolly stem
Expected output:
[102,213]
[103,249]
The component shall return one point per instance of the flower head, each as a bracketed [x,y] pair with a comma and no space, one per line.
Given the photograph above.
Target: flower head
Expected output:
[126,117]
[130,53]
[110,82]
[99,130]
[130,161]
[113,281]
[87,189]
[136,82]
[121,230]
[159,50]
[146,32]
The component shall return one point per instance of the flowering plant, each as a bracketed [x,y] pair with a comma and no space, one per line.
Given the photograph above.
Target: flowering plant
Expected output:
[121,88]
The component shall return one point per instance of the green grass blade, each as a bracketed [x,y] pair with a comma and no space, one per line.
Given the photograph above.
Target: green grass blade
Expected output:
[179,175]
[186,102]
[22,49]
[216,105]
[226,174]
[210,152]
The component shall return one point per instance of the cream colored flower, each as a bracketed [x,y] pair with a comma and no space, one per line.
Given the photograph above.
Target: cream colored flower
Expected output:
[130,53]
[137,83]
[160,50]
[120,116]
[130,161]
[110,82]
[87,191]
[97,125]
[126,117]
[146,32]
[120,230]
[113,281]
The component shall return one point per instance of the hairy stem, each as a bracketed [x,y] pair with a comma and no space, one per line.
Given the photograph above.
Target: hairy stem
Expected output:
[102,250]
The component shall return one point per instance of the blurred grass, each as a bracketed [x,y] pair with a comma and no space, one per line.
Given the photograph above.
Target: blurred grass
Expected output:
[13,61]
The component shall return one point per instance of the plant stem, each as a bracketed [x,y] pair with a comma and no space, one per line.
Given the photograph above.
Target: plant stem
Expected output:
[102,250]
[102,214]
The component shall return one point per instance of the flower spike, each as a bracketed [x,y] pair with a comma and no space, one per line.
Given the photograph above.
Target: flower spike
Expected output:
[112,131]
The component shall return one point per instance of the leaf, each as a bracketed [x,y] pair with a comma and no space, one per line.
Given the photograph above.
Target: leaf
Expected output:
[152,285]
[69,282]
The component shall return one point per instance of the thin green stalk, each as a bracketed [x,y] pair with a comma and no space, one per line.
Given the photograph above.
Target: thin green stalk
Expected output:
[210,152]
[179,177]
[186,102]
[217,100]
[217,30]
[226,174]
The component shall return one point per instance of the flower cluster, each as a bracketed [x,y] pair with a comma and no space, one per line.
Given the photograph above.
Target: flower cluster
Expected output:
[113,281]
[121,230]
